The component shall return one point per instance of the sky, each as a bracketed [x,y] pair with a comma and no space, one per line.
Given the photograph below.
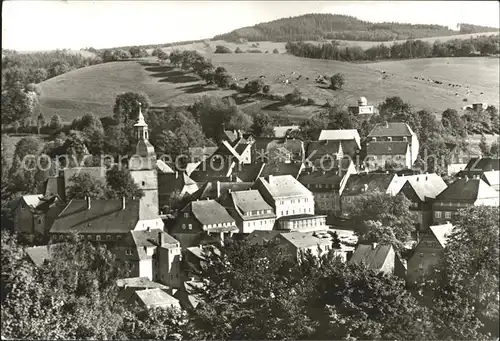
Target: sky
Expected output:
[74,24]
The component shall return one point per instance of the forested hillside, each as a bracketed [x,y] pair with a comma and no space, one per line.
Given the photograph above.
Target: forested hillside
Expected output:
[332,26]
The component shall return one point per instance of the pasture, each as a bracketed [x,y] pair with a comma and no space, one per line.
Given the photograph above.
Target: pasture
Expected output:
[93,89]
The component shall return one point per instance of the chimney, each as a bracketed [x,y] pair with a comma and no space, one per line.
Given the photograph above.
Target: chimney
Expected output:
[123,203]
[466,178]
[389,138]
[417,178]
[386,124]
[365,188]
[374,246]
[218,189]
[176,174]
[160,239]
[88,202]
[270,179]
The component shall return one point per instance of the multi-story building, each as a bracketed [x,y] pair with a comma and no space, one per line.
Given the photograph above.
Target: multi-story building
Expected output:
[428,252]
[297,244]
[302,223]
[397,133]
[203,222]
[250,211]
[286,195]
[381,153]
[460,194]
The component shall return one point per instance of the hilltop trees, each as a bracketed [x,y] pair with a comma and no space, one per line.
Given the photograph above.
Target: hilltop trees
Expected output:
[222,49]
[337,81]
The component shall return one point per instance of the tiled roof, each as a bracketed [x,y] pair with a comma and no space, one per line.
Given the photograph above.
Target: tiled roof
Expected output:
[467,190]
[156,298]
[38,254]
[104,216]
[373,257]
[283,186]
[209,212]
[139,282]
[302,240]
[387,148]
[248,172]
[375,182]
[441,232]
[281,131]
[282,168]
[320,177]
[482,164]
[316,149]
[426,185]
[392,129]
[230,135]
[261,237]
[151,238]
[169,182]
[342,134]
[250,200]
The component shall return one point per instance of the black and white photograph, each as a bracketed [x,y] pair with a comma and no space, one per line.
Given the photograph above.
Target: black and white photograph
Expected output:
[250,170]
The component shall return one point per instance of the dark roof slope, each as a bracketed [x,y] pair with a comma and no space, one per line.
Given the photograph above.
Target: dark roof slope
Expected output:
[249,201]
[209,212]
[387,148]
[209,189]
[467,190]
[373,258]
[392,129]
[481,165]
[376,182]
[426,185]
[319,177]
[281,168]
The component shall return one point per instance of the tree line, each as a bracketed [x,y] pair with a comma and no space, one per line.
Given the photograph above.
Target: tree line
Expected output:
[483,45]
[318,27]
[257,292]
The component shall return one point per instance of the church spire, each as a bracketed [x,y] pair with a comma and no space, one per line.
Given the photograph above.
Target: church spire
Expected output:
[143,148]
[141,122]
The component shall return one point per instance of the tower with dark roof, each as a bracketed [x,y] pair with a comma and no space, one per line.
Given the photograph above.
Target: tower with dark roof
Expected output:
[143,165]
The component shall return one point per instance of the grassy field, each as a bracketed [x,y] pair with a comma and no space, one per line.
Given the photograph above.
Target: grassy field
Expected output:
[94,89]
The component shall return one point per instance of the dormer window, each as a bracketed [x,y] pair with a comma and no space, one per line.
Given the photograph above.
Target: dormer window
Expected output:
[186,215]
[405,139]
[374,139]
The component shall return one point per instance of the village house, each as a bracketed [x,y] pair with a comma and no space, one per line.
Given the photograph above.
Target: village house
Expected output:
[286,195]
[298,244]
[272,150]
[34,216]
[324,154]
[460,194]
[366,183]
[203,221]
[428,252]
[344,135]
[131,230]
[398,133]
[250,211]
[421,191]
[39,254]
[364,110]
[382,153]
[258,237]
[478,166]
[380,258]
[327,185]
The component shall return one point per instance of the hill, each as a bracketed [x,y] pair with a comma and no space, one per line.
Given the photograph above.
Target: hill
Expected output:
[93,89]
[332,26]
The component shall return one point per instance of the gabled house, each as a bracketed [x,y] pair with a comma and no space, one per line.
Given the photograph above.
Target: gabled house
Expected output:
[341,135]
[478,166]
[272,150]
[323,154]
[286,195]
[259,237]
[203,221]
[34,216]
[297,244]
[395,132]
[460,194]
[250,211]
[39,254]
[378,257]
[248,172]
[379,153]
[215,168]
[421,190]
[428,252]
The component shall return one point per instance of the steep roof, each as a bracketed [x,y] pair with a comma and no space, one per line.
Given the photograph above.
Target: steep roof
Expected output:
[55,186]
[283,186]
[387,148]
[261,237]
[201,153]
[248,201]
[208,212]
[32,200]
[281,168]
[156,298]
[392,129]
[426,185]
[373,257]
[375,182]
[104,216]
[38,254]
[151,238]
[467,190]
[248,172]
[163,167]
[441,232]
[209,189]
[320,177]
[342,134]
[482,164]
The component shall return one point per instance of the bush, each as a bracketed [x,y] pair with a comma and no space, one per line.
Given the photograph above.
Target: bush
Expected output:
[303,100]
[238,50]
[266,89]
[223,79]
[337,81]
[254,51]
[254,86]
[235,86]
[255,45]
[294,96]
[278,97]
[310,101]
[222,49]
[275,51]
[327,104]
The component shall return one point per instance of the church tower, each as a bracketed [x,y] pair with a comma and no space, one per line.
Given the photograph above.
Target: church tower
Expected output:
[143,166]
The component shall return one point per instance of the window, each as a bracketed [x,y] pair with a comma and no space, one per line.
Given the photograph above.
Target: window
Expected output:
[183,226]
[119,237]
[438,214]
[98,237]
[190,226]
[421,254]
[186,214]
[433,254]
[144,183]
[447,215]
[128,252]
[39,220]
[108,237]
[421,266]
[89,237]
